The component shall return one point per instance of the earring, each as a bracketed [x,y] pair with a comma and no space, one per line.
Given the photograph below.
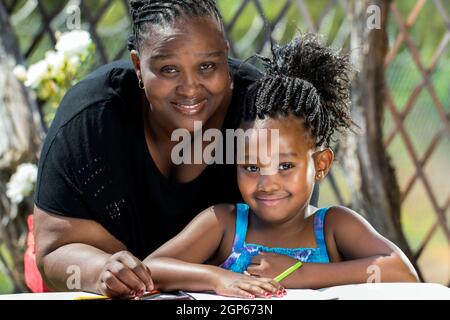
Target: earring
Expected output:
[141,84]
[319,175]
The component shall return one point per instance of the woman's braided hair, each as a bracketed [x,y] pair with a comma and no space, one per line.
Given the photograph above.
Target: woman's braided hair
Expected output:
[307,79]
[155,12]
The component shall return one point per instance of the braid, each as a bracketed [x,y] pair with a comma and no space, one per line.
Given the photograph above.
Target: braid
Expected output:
[308,80]
[156,12]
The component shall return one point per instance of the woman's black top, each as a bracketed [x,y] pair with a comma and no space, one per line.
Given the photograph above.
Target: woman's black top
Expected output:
[95,163]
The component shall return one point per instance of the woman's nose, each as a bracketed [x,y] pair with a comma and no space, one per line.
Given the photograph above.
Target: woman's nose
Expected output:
[188,86]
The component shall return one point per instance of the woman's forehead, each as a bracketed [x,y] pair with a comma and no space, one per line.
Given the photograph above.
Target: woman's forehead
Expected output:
[196,35]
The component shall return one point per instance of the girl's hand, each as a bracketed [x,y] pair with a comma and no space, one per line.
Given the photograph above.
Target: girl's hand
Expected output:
[124,276]
[228,283]
[270,265]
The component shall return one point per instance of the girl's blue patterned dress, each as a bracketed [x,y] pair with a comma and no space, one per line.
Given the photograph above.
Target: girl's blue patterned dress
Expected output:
[242,253]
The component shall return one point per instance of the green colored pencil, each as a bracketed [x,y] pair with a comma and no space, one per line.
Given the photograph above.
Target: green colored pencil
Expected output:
[288,271]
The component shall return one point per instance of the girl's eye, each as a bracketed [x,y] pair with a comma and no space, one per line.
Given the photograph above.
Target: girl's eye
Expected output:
[169,70]
[285,166]
[251,168]
[207,66]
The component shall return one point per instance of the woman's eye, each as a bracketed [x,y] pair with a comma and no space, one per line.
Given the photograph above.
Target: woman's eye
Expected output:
[286,166]
[169,70]
[251,168]
[207,66]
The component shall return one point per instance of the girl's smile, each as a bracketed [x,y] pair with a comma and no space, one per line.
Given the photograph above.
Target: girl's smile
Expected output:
[271,200]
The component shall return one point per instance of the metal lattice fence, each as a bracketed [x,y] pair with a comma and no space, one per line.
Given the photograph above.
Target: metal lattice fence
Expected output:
[417,128]
[423,145]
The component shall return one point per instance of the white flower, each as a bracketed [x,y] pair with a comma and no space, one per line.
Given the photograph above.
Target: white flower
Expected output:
[55,61]
[20,72]
[74,42]
[36,73]
[74,61]
[22,182]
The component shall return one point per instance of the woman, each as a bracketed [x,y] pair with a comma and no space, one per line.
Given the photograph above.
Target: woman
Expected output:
[108,193]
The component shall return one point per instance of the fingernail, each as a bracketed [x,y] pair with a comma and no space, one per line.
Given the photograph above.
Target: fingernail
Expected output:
[133,293]
[267,295]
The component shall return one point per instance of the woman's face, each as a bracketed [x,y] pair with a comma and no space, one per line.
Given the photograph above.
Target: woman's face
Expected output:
[184,69]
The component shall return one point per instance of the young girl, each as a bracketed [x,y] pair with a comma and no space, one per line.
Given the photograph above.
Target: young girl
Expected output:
[237,250]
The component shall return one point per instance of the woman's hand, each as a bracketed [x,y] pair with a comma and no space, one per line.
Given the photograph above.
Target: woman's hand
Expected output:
[270,265]
[124,276]
[228,283]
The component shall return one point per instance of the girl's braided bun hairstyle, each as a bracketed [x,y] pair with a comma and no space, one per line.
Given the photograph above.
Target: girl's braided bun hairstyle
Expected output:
[307,79]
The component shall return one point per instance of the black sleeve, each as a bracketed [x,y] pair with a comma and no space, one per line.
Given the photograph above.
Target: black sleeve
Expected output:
[71,159]
[243,75]
[56,191]
[243,71]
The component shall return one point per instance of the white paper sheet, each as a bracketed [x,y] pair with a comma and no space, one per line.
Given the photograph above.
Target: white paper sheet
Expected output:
[379,291]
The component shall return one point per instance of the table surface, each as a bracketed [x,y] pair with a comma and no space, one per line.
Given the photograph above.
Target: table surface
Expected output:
[372,291]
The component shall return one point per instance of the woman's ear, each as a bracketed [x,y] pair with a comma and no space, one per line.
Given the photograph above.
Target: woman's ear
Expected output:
[322,162]
[134,55]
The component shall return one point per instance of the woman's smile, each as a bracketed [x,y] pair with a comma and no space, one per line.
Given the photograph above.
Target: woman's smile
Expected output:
[190,108]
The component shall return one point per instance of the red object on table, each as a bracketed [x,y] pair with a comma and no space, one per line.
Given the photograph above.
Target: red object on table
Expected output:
[33,277]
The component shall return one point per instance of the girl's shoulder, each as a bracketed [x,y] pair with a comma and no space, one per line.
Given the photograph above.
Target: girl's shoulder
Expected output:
[345,223]
[226,217]
[338,225]
[223,214]
[337,215]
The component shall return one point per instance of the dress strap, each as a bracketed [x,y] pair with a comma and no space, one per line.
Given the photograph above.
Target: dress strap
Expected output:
[241,226]
[319,233]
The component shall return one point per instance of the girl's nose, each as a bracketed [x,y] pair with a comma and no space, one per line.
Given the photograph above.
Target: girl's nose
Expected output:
[268,183]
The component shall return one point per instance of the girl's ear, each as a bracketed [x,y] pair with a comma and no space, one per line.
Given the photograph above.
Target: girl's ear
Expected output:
[322,162]
[134,55]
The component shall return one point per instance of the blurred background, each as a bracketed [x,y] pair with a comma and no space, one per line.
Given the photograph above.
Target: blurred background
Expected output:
[407,59]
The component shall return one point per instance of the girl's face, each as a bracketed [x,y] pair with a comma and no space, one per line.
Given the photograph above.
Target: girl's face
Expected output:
[184,69]
[282,194]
